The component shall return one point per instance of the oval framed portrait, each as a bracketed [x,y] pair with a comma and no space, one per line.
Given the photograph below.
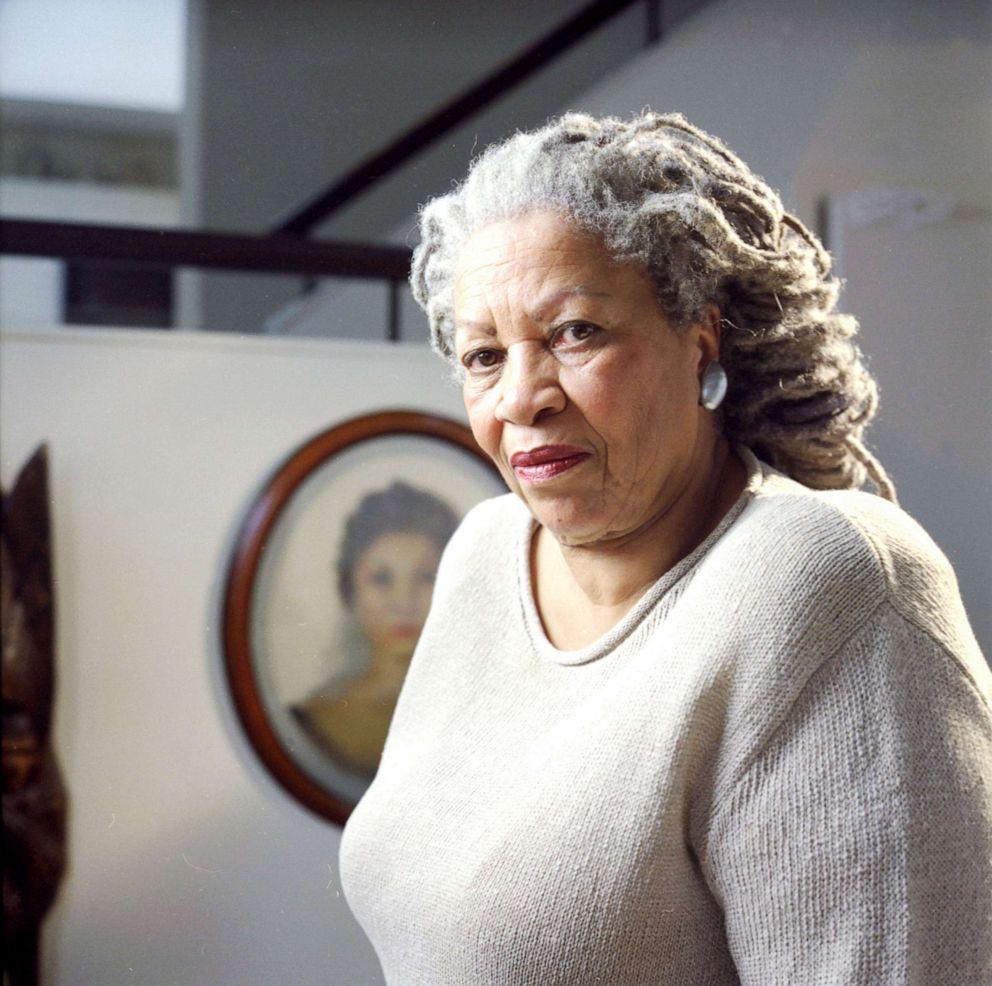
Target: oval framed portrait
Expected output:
[328,586]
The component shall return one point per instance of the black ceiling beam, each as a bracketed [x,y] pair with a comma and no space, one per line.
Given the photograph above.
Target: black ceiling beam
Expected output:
[203,249]
[449,116]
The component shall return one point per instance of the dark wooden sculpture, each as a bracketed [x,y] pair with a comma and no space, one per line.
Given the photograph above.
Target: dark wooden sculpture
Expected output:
[34,803]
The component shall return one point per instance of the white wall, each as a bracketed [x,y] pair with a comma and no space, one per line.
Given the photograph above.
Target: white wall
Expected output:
[188,864]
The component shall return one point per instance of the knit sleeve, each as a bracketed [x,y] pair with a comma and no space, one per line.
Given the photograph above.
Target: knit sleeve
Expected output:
[855,847]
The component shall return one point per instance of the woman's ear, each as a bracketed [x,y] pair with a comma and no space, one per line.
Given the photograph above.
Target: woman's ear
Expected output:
[708,339]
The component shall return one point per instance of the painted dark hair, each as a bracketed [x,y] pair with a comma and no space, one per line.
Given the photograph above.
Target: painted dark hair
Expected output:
[398,509]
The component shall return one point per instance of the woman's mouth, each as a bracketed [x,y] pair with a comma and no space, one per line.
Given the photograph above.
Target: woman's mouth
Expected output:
[546,462]
[406,631]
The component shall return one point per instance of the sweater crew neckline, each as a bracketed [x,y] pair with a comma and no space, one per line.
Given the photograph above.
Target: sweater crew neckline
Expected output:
[616,635]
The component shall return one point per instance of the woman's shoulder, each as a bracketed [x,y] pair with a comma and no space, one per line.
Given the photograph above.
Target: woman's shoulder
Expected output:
[495,513]
[486,539]
[492,521]
[851,551]
[825,586]
[837,530]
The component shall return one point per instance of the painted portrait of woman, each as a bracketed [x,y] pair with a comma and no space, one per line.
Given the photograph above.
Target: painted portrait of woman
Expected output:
[385,572]
[329,588]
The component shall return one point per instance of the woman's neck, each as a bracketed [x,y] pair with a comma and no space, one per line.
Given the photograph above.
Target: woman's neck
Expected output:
[386,669]
[583,591]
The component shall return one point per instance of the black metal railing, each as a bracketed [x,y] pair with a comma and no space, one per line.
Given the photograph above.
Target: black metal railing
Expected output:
[279,252]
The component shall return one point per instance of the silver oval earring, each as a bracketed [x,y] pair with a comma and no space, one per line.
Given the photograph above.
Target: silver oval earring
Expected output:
[713,386]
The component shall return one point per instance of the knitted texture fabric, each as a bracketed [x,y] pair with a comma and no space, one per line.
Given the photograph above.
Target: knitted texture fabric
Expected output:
[776,769]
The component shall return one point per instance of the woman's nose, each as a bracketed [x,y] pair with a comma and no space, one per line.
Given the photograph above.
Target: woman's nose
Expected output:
[403,600]
[529,387]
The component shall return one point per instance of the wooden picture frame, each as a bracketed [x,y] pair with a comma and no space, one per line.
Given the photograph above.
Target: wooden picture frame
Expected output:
[302,589]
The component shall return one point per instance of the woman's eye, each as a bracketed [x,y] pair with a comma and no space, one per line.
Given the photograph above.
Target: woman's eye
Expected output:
[574,334]
[382,578]
[482,359]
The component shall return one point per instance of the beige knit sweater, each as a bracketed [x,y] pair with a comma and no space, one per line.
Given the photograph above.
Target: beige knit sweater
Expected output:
[777,769]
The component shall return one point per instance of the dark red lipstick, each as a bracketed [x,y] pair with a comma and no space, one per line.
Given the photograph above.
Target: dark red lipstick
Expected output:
[546,462]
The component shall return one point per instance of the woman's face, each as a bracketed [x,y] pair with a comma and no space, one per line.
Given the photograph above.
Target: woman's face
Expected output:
[394,579]
[575,383]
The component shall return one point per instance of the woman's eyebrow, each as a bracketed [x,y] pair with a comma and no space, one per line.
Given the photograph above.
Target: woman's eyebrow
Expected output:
[538,314]
[471,325]
[555,299]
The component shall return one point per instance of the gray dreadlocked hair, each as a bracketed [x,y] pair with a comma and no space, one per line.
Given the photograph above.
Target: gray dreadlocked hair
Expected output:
[664,194]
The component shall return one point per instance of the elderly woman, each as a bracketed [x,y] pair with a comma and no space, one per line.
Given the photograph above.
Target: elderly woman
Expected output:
[688,709]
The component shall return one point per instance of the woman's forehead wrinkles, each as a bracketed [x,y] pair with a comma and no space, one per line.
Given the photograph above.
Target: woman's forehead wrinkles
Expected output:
[543,311]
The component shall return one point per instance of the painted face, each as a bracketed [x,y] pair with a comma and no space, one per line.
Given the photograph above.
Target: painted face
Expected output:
[394,579]
[576,384]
